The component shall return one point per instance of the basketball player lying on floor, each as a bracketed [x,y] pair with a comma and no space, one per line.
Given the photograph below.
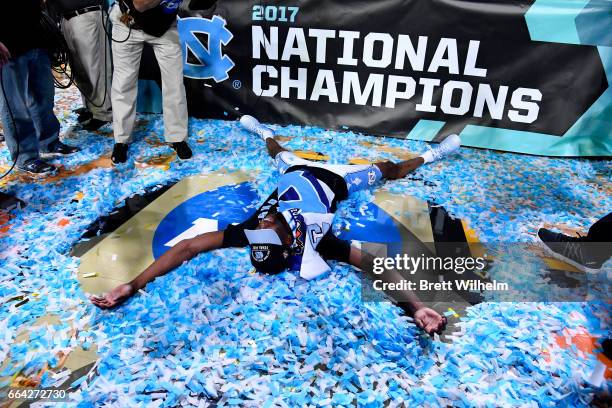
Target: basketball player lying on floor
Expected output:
[291,230]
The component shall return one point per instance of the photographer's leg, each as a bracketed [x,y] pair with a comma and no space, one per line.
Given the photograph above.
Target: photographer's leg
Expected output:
[168,53]
[19,129]
[41,93]
[126,59]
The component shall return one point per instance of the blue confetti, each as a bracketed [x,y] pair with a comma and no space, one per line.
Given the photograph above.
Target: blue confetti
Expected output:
[213,330]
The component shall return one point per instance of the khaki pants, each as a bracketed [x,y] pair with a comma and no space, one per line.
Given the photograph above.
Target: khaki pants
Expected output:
[126,59]
[91,61]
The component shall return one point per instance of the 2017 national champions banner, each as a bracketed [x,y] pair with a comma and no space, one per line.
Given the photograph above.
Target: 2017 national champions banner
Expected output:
[523,76]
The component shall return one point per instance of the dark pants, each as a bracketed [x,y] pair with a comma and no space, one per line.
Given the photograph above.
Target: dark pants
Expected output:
[28,84]
[601,231]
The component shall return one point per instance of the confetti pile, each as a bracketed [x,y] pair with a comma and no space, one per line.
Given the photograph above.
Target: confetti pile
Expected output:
[211,332]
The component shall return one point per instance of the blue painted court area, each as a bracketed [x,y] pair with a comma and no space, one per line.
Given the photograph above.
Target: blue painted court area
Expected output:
[241,202]
[213,330]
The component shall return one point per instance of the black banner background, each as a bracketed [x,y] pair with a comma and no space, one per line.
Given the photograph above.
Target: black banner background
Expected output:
[570,77]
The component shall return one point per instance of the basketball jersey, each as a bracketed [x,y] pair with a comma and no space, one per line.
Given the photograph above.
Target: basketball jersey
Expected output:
[307,198]
[302,190]
[307,204]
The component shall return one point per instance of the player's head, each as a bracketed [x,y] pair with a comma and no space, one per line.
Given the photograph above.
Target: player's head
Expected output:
[270,244]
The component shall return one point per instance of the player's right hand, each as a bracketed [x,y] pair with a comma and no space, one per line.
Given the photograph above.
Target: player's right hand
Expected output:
[113,298]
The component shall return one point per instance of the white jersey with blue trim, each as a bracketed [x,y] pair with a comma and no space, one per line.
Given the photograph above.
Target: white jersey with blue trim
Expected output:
[306,204]
[302,190]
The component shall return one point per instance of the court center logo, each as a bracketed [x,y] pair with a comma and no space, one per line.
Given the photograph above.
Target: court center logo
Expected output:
[215,209]
[213,63]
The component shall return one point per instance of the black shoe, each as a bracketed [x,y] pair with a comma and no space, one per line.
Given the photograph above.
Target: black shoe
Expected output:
[119,153]
[84,115]
[37,167]
[58,148]
[576,251]
[182,150]
[94,124]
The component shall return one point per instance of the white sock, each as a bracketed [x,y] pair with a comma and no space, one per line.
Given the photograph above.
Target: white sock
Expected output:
[427,156]
[266,135]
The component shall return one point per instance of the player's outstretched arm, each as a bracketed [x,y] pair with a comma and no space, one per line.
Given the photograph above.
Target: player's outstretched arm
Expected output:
[175,256]
[424,317]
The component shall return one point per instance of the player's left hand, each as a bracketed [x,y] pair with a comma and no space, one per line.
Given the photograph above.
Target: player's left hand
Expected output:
[430,320]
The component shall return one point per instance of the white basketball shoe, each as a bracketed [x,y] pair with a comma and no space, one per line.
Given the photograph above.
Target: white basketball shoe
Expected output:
[252,125]
[446,147]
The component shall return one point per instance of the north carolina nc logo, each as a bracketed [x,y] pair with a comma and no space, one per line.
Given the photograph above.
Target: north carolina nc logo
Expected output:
[213,63]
